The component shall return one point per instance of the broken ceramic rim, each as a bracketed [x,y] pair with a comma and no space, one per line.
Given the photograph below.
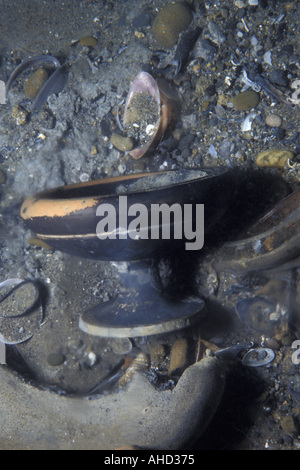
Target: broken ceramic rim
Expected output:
[17,328]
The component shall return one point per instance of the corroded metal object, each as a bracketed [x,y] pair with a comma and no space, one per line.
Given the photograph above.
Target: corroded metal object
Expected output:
[66,218]
[274,239]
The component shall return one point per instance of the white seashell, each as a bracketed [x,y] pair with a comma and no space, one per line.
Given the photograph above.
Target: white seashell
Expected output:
[247,123]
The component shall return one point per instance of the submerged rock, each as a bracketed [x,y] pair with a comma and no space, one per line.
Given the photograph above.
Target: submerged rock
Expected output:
[35,82]
[274,158]
[170,22]
[246,100]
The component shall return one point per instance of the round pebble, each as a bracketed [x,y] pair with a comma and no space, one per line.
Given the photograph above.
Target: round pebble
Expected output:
[273,120]
[170,21]
[178,356]
[157,353]
[34,83]
[121,345]
[89,41]
[19,115]
[122,143]
[288,425]
[246,100]
[274,158]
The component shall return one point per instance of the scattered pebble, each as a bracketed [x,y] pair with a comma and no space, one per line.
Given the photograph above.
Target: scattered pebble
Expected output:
[35,82]
[268,57]
[122,143]
[273,120]
[19,115]
[139,34]
[274,158]
[215,31]
[157,353]
[170,21]
[288,425]
[246,100]
[121,345]
[178,356]
[89,41]
[239,3]
[205,49]
[279,77]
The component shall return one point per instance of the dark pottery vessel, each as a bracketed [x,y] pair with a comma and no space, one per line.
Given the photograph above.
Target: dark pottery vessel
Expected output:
[67,219]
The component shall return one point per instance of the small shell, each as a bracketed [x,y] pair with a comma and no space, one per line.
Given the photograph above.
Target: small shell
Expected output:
[258,357]
[149,99]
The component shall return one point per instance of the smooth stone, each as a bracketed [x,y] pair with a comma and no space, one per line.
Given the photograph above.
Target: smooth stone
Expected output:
[205,49]
[274,158]
[273,120]
[35,82]
[121,345]
[88,41]
[178,356]
[246,100]
[121,143]
[170,22]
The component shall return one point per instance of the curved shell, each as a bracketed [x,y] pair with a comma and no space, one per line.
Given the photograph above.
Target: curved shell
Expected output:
[166,100]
